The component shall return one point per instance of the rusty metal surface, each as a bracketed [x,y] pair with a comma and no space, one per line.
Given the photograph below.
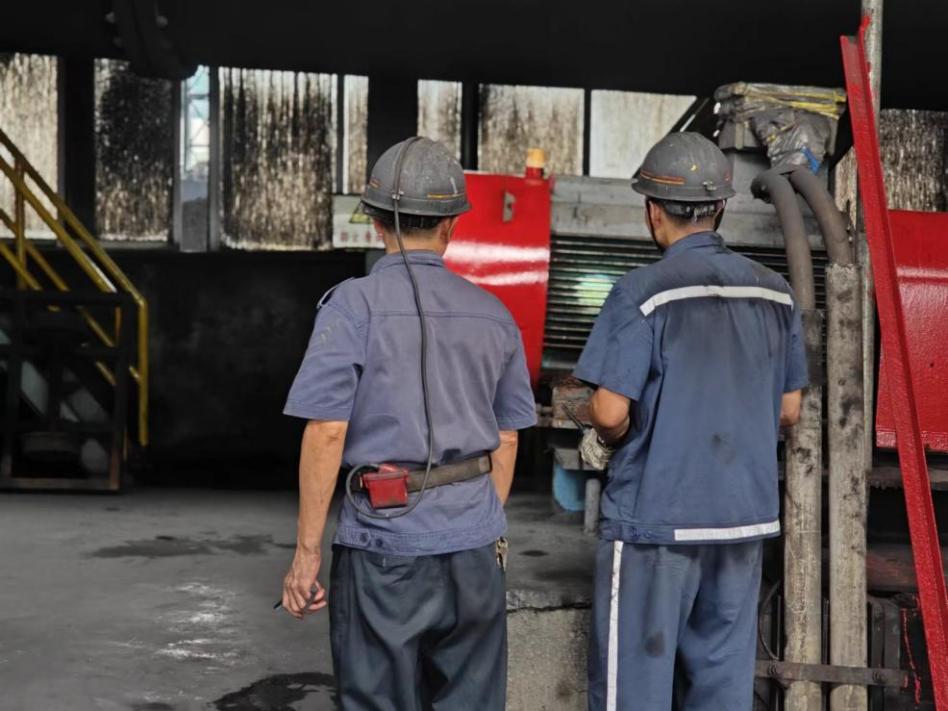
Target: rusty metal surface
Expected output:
[277,152]
[570,399]
[918,496]
[134,150]
[913,158]
[786,672]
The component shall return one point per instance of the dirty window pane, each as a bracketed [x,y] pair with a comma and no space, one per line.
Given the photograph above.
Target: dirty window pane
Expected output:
[278,141]
[196,125]
[913,158]
[134,153]
[356,113]
[28,115]
[625,125]
[439,112]
[515,118]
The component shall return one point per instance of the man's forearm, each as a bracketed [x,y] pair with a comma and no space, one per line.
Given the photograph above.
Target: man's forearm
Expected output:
[611,435]
[503,460]
[320,459]
[609,414]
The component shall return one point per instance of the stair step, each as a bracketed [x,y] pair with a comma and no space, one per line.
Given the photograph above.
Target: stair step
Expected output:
[51,447]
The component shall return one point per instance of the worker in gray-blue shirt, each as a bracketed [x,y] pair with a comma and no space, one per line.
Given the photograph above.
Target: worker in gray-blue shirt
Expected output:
[415,380]
[697,362]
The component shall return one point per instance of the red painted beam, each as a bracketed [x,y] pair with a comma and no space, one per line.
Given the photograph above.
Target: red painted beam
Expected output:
[918,496]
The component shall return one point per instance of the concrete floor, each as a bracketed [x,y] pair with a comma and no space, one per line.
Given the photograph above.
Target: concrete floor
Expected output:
[161,600]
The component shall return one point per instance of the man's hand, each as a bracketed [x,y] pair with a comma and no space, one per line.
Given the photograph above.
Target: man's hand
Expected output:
[320,457]
[790,408]
[302,593]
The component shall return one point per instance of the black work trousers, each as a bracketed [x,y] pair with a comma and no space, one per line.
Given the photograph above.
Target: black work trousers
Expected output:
[418,633]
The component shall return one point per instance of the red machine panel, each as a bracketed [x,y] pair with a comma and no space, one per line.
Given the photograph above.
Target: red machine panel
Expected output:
[503,245]
[921,255]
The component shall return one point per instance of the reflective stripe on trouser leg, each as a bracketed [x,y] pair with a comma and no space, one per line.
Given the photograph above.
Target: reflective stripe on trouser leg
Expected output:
[612,672]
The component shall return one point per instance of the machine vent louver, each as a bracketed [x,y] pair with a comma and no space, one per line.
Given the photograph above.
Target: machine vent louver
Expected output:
[583,270]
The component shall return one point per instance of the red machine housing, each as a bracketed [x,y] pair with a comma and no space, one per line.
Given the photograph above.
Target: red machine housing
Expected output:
[921,258]
[503,245]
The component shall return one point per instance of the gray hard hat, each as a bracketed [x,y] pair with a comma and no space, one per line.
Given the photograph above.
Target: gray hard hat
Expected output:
[685,167]
[431,182]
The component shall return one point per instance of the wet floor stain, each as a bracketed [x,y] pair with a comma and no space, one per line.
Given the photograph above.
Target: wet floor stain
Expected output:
[152,706]
[163,546]
[533,553]
[279,692]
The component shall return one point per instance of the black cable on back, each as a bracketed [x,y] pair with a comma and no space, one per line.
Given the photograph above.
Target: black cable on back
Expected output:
[396,197]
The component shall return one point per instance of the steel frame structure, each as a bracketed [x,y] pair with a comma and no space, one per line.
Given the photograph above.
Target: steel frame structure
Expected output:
[916,483]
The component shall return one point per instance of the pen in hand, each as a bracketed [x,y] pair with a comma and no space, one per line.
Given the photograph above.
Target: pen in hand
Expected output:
[313,592]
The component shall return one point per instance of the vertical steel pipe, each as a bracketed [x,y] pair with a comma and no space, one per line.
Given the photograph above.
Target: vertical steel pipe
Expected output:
[848,478]
[848,481]
[804,461]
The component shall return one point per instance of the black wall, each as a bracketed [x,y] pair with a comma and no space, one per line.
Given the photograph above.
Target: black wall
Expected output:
[228,331]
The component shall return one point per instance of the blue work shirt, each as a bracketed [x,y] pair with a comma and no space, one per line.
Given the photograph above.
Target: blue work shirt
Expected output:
[363,366]
[705,343]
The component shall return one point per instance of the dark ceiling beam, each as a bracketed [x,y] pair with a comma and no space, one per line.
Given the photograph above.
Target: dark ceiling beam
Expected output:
[684,47]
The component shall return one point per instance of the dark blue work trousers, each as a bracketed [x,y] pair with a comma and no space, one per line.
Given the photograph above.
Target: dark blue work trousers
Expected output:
[655,605]
[413,633]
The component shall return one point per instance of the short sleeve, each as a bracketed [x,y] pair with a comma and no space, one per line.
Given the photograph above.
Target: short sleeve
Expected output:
[325,386]
[797,375]
[618,354]
[514,404]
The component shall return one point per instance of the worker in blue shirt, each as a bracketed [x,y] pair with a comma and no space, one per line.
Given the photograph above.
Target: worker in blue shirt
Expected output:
[697,362]
[416,380]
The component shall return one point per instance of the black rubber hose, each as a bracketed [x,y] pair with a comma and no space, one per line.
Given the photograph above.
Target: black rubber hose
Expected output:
[773,187]
[828,216]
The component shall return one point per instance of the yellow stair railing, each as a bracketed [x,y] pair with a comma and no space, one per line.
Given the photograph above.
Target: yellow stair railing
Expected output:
[85,250]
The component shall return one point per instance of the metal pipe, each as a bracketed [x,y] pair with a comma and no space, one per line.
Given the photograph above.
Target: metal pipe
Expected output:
[773,187]
[847,490]
[804,462]
[848,481]
[873,9]
[851,369]
[828,216]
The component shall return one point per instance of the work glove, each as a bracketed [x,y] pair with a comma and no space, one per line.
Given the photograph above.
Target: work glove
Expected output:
[594,451]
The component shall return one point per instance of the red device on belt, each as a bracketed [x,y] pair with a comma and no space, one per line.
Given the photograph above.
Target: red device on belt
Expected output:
[387,487]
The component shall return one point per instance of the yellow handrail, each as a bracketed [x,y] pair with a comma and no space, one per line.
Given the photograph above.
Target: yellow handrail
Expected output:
[58,282]
[102,270]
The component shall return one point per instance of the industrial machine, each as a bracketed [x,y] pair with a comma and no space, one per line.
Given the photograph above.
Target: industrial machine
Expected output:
[552,247]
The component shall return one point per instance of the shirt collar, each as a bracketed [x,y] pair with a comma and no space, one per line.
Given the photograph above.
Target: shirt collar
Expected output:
[414,256]
[695,241]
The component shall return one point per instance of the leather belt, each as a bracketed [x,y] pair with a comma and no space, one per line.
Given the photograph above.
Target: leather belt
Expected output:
[444,474]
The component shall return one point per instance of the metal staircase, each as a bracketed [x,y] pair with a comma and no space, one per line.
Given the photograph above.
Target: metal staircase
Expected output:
[72,357]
